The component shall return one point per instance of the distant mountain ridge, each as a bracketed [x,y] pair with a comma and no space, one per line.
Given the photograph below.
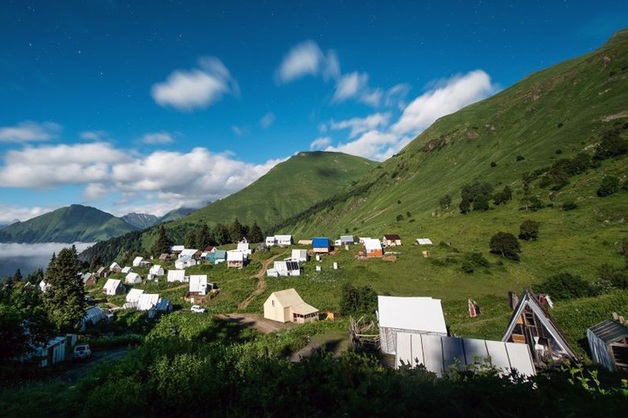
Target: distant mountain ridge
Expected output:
[75,223]
[140,220]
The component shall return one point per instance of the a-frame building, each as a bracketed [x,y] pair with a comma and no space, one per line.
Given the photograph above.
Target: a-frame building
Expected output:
[531,325]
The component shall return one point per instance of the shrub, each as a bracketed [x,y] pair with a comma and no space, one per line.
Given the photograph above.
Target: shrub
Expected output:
[399,218]
[467,267]
[609,185]
[520,158]
[478,260]
[569,205]
[493,164]
[529,230]
[563,286]
[445,201]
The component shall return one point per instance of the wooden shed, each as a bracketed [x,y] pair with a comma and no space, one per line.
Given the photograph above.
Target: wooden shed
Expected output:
[608,342]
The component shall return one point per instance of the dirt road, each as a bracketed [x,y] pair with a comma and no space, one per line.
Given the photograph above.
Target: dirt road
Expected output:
[261,282]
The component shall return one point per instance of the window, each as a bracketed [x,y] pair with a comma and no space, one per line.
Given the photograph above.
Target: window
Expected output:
[272,302]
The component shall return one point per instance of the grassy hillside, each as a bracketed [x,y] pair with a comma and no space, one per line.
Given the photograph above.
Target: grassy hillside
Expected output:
[287,189]
[74,223]
[551,115]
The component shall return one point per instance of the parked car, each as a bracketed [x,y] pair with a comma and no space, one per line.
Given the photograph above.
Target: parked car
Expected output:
[198,309]
[82,352]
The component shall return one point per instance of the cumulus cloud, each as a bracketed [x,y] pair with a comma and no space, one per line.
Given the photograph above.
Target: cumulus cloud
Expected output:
[196,88]
[306,59]
[29,132]
[350,85]
[373,137]
[163,179]
[320,143]
[360,125]
[9,213]
[157,138]
[267,120]
[448,97]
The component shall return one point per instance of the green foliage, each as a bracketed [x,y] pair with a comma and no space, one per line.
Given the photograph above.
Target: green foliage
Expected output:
[617,277]
[503,196]
[445,201]
[399,218]
[64,298]
[163,243]
[563,286]
[357,300]
[476,194]
[520,158]
[529,230]
[569,205]
[609,186]
[255,234]
[506,245]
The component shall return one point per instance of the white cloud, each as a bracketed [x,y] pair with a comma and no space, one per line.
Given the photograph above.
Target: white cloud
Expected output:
[29,132]
[267,120]
[360,125]
[306,59]
[448,97]
[157,138]
[162,179]
[97,136]
[197,88]
[378,140]
[350,85]
[9,213]
[239,131]
[320,143]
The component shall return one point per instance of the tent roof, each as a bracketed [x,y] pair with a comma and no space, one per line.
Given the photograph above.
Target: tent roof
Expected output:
[424,241]
[147,301]
[134,295]
[111,284]
[197,282]
[422,314]
[289,298]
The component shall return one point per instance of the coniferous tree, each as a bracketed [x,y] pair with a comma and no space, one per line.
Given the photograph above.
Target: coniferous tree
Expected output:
[64,298]
[256,234]
[163,243]
[221,234]
[203,237]
[237,231]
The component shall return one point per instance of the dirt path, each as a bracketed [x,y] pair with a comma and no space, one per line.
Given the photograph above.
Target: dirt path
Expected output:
[261,282]
[79,370]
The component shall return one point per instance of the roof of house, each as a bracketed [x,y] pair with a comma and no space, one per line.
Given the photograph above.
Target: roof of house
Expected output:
[147,301]
[372,244]
[198,282]
[320,242]
[100,270]
[392,237]
[283,237]
[289,264]
[424,241]
[347,238]
[609,331]
[138,259]
[289,298]
[528,299]
[134,295]
[132,277]
[111,284]
[177,248]
[235,256]
[94,313]
[154,269]
[127,269]
[438,353]
[422,314]
[174,275]
[188,252]
[114,265]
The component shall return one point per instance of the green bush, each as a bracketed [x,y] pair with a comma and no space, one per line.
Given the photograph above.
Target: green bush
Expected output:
[609,186]
[563,286]
[529,230]
[506,245]
[569,205]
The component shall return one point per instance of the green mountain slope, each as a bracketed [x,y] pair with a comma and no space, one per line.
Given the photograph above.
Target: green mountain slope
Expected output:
[551,115]
[74,223]
[287,189]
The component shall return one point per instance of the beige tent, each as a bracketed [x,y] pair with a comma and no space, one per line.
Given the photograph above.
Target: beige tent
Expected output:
[287,306]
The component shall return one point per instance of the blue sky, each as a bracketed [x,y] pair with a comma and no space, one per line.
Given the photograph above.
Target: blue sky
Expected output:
[145,106]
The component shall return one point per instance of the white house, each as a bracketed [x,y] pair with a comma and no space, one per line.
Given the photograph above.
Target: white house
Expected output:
[284,268]
[133,297]
[280,240]
[126,270]
[198,284]
[235,259]
[423,241]
[132,278]
[147,301]
[287,306]
[155,271]
[113,287]
[414,315]
[93,315]
[177,248]
[115,267]
[299,255]
[190,252]
[184,261]
[176,276]
[244,247]
[140,262]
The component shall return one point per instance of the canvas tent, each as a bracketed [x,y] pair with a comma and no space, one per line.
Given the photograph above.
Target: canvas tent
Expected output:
[176,276]
[424,241]
[147,301]
[113,287]
[132,278]
[438,353]
[415,315]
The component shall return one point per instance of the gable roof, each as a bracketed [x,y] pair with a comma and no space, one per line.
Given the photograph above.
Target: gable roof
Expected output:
[422,314]
[424,241]
[134,295]
[111,285]
[528,300]
[235,256]
[176,275]
[319,242]
[392,237]
[609,331]
[147,301]
[372,244]
[289,298]
[155,269]
[132,278]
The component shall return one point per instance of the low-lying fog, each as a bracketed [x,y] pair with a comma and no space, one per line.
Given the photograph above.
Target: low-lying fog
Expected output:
[29,257]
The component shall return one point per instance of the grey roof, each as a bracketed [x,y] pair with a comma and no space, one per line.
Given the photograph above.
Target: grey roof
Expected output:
[609,331]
